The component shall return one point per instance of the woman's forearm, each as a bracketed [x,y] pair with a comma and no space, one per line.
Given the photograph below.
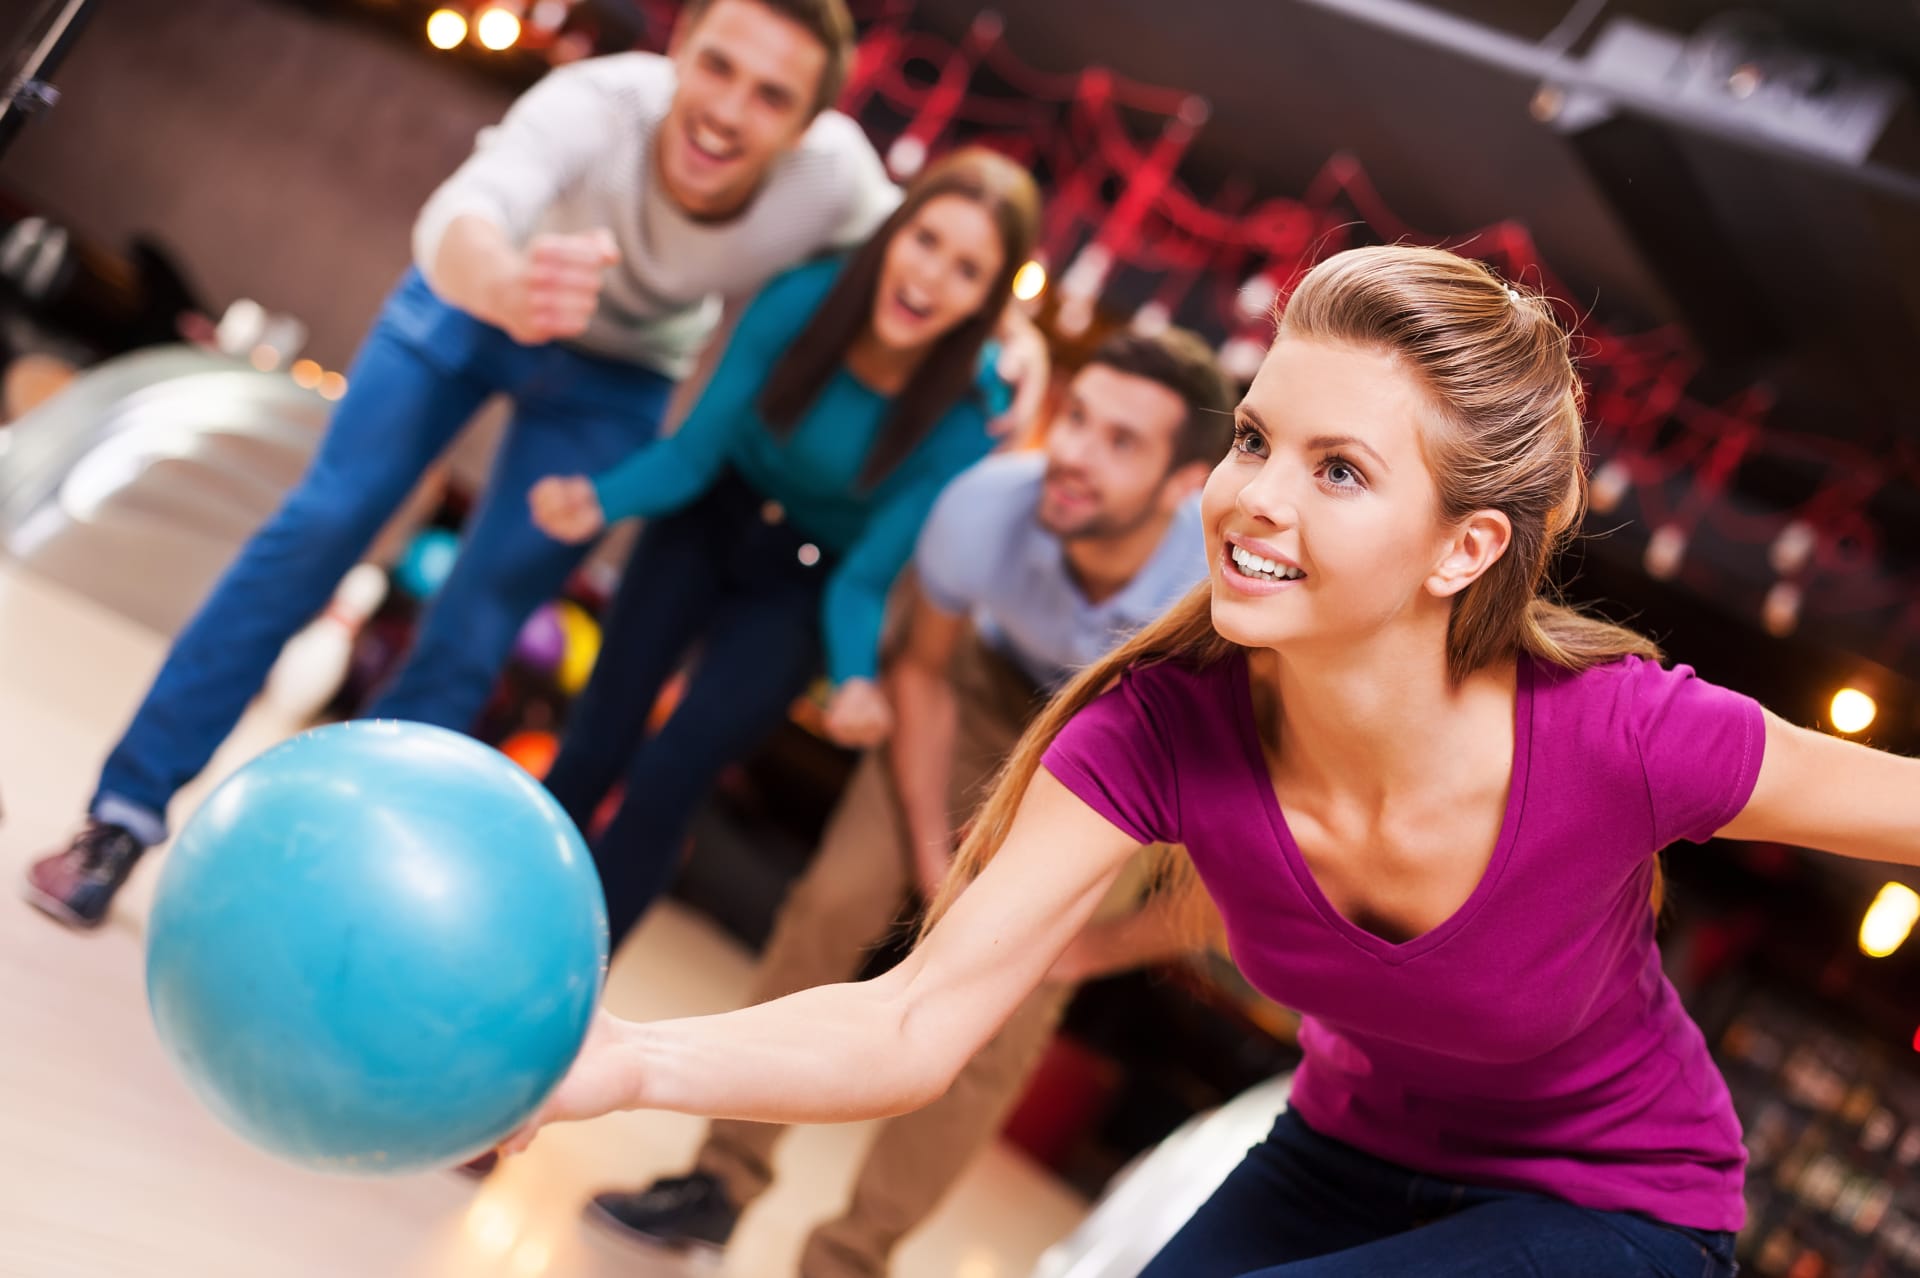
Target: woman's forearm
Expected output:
[853,617]
[833,1054]
[879,1047]
[658,479]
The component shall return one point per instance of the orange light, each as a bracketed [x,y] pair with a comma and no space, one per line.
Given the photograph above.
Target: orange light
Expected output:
[446,29]
[1030,281]
[1889,920]
[1852,711]
[497,29]
[333,386]
[305,373]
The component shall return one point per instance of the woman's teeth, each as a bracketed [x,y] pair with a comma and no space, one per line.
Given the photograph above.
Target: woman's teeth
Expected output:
[1265,569]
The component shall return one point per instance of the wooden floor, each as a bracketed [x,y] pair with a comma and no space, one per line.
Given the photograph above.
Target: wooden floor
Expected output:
[108,1167]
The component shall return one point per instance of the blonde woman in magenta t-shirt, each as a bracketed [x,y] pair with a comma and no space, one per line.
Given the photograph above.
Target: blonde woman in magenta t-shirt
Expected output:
[1426,804]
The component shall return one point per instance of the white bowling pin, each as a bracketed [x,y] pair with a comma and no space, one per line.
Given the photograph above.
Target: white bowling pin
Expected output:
[315,661]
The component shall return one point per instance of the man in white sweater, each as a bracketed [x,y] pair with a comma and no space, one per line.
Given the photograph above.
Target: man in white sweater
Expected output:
[576,263]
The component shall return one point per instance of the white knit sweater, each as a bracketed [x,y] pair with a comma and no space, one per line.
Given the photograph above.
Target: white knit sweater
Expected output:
[575,153]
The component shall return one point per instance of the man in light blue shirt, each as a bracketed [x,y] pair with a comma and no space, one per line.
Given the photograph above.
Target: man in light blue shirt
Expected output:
[1044,585]
[1030,566]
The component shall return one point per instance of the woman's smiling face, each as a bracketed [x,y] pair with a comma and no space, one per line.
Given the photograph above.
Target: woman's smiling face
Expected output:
[1323,523]
[937,273]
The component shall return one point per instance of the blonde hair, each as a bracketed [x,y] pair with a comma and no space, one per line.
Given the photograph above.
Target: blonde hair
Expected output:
[1499,375]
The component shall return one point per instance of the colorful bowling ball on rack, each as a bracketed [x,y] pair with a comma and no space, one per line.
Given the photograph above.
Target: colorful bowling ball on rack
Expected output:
[542,642]
[427,563]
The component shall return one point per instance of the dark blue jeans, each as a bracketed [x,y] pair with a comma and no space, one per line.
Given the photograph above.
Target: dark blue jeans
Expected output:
[418,378]
[1305,1206]
[730,578]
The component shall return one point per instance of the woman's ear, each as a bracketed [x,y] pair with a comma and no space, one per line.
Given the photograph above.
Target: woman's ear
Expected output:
[1476,545]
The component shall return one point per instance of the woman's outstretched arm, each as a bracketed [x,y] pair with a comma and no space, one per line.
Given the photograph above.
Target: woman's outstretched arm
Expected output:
[1818,791]
[879,1047]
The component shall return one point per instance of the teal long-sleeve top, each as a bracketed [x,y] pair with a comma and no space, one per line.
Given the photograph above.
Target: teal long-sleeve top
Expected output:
[814,472]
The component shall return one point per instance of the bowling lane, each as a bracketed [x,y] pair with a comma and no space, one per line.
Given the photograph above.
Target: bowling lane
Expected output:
[111,1168]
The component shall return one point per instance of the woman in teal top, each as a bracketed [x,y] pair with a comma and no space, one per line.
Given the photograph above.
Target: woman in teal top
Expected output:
[783,508]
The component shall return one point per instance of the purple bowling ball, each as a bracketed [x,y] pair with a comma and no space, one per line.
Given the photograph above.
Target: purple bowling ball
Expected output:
[542,641]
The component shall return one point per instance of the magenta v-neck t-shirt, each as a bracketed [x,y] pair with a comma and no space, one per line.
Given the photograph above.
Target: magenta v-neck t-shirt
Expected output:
[1531,1041]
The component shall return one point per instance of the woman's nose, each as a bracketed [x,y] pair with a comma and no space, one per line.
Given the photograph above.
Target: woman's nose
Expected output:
[1270,496]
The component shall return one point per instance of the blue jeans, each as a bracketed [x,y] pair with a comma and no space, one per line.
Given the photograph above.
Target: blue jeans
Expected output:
[1304,1206]
[721,576]
[422,372]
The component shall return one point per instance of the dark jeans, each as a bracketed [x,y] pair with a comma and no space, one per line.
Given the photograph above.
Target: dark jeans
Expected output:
[418,378]
[729,576]
[1304,1206]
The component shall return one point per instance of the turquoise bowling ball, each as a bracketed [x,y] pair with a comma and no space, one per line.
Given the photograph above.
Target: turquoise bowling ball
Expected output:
[376,948]
[427,563]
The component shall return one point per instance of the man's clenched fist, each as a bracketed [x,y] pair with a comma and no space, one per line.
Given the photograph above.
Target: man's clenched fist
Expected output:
[556,287]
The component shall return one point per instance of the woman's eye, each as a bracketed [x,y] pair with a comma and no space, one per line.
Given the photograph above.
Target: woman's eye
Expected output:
[1342,474]
[1250,442]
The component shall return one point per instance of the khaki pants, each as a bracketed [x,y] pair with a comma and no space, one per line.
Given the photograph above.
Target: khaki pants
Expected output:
[858,889]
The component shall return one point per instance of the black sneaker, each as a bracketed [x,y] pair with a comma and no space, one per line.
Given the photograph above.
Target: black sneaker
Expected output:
[77,883]
[678,1213]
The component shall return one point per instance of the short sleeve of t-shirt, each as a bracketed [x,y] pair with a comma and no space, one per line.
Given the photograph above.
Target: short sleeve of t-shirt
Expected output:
[1114,757]
[961,544]
[1700,748]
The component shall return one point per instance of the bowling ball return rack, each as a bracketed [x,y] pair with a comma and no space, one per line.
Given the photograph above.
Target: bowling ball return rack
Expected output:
[137,484]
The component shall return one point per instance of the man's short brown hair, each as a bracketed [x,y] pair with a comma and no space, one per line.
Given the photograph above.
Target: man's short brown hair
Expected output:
[825,20]
[1182,362]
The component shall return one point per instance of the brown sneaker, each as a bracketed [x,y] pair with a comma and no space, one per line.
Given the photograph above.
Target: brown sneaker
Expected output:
[77,884]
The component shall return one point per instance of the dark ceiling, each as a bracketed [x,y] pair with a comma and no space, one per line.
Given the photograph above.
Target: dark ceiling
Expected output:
[1885,32]
[1797,276]
[1449,139]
